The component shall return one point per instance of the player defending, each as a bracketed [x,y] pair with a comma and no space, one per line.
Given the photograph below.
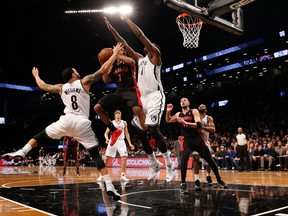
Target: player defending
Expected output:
[208,127]
[75,122]
[189,120]
[152,96]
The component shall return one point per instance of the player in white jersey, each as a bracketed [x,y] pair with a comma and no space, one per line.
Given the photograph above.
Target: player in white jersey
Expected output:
[75,122]
[208,127]
[120,145]
[152,96]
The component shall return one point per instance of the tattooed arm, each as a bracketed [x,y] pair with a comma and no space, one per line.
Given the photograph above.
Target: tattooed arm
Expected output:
[44,86]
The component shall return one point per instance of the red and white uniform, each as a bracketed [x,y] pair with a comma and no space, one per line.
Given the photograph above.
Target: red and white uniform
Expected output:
[120,144]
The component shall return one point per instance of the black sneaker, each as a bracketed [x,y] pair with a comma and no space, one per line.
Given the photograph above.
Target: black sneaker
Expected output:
[209,181]
[197,185]
[183,188]
[222,183]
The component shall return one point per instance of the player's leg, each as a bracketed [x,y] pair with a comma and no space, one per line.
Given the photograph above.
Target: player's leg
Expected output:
[184,164]
[85,135]
[204,151]
[76,158]
[122,150]
[100,109]
[196,168]
[65,159]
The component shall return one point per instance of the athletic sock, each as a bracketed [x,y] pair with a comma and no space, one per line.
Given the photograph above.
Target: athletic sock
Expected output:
[167,158]
[196,177]
[107,180]
[26,148]
[152,159]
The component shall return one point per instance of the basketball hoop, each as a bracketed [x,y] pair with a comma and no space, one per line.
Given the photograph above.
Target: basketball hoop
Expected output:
[190,27]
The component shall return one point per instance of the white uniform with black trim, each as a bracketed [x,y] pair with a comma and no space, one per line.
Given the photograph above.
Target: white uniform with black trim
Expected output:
[120,144]
[205,134]
[151,90]
[76,121]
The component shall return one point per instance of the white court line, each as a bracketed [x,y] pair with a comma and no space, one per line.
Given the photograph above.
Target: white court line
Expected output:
[268,212]
[148,191]
[130,204]
[38,210]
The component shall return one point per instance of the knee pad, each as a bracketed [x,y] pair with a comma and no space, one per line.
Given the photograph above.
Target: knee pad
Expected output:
[42,138]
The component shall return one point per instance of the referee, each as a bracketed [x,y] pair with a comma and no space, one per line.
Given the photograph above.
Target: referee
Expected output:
[241,148]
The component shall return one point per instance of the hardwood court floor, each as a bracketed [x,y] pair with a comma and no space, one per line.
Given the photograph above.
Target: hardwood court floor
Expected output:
[44,191]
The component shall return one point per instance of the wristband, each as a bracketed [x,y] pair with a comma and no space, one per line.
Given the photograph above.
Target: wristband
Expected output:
[198,124]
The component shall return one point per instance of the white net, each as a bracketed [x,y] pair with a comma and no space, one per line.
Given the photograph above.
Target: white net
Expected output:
[190,27]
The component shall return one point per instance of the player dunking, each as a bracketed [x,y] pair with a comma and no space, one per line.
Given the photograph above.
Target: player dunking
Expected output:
[152,95]
[189,120]
[75,122]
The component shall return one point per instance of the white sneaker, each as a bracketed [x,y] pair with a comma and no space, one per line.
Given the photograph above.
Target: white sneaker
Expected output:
[100,179]
[17,156]
[170,174]
[154,170]
[124,179]
[114,193]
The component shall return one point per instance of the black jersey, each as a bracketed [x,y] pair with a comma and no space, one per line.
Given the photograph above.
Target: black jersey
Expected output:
[124,75]
[186,130]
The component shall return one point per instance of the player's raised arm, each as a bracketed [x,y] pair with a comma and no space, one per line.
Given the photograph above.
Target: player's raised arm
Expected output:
[44,86]
[152,49]
[120,39]
[105,68]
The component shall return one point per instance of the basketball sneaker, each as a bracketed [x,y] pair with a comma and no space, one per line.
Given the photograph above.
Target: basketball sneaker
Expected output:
[78,174]
[209,181]
[114,193]
[197,185]
[154,170]
[222,183]
[114,136]
[170,174]
[124,179]
[183,188]
[17,156]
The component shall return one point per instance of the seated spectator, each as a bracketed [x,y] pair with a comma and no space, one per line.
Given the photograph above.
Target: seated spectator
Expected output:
[258,160]
[236,161]
[221,159]
[270,156]
[283,159]
[229,157]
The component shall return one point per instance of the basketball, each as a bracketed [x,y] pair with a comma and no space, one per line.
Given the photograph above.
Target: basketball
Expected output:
[104,55]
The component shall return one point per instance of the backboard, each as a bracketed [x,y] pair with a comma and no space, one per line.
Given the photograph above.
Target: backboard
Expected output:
[211,12]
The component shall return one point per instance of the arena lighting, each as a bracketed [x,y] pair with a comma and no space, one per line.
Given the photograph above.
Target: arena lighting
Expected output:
[123,9]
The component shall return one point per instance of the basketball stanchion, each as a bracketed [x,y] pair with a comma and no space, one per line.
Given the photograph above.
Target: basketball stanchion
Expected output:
[190,27]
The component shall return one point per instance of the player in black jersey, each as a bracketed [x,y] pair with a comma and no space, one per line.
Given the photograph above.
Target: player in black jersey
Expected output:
[70,150]
[123,73]
[189,120]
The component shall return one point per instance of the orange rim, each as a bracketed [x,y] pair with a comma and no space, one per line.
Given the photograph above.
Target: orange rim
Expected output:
[186,24]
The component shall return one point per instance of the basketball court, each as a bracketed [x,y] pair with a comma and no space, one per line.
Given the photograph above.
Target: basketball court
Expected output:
[44,191]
